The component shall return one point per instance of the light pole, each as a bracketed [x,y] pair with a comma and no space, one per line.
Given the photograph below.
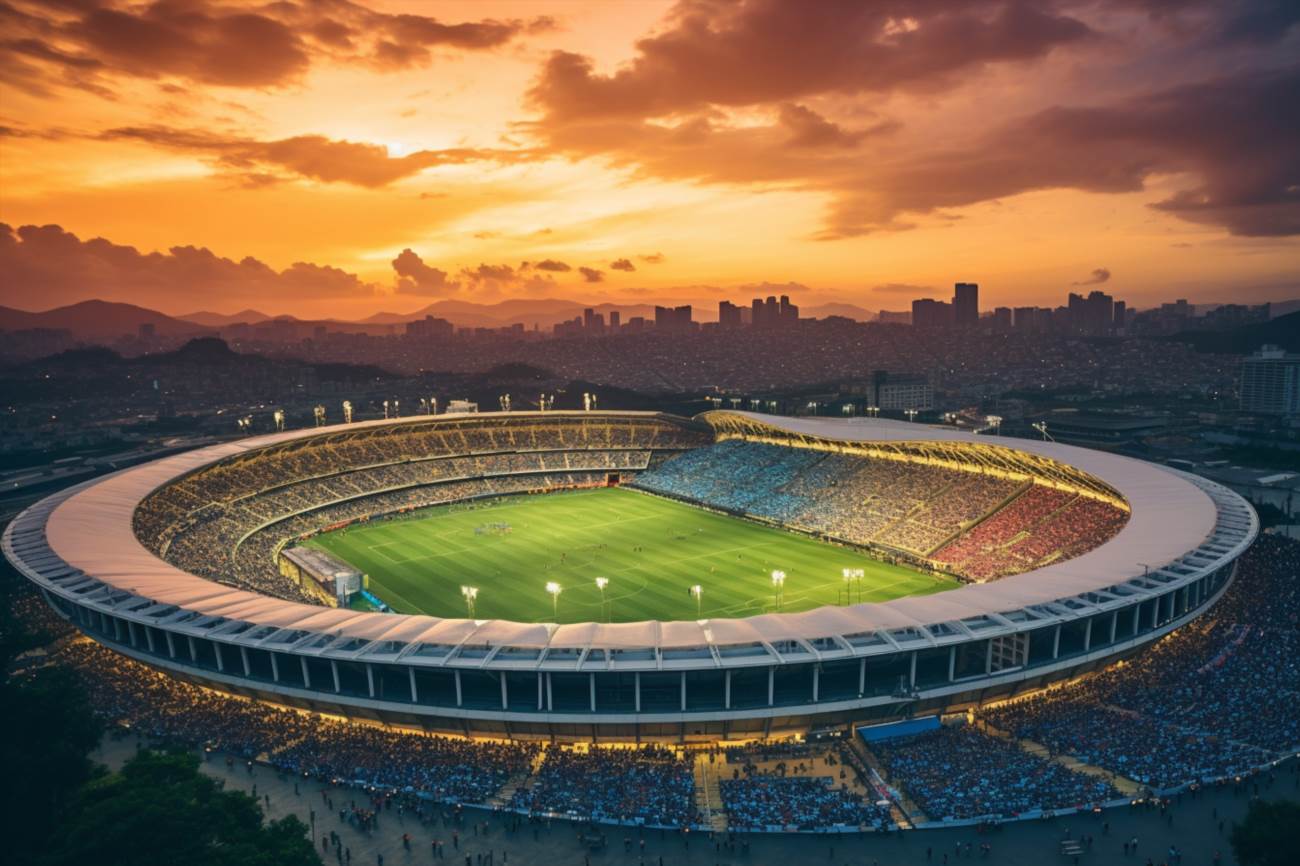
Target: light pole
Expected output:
[851,575]
[910,413]
[778,583]
[470,593]
[994,421]
[1041,427]
[347,411]
[601,583]
[555,589]
[698,592]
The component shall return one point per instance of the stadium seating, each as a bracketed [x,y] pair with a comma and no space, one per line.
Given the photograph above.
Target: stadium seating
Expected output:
[983,526]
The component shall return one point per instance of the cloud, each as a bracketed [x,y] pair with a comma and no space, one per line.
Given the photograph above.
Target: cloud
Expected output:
[904,289]
[414,277]
[622,265]
[314,157]
[1241,154]
[1096,278]
[809,129]
[653,258]
[495,280]
[91,44]
[46,266]
[766,51]
[552,265]
[592,275]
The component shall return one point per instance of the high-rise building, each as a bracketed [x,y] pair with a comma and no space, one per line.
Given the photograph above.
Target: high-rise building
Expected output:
[728,315]
[429,328]
[673,319]
[615,320]
[1270,382]
[1002,317]
[929,313]
[966,304]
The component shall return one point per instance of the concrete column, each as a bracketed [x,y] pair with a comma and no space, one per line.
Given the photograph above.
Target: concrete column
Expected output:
[194,651]
[171,644]
[334,669]
[1087,635]
[541,700]
[415,694]
[458,693]
[221,661]
[911,677]
[862,677]
[771,685]
[1114,624]
[148,638]
[275,666]
[988,659]
[306,675]
[1056,643]
[726,689]
[817,682]
[592,682]
[952,663]
[636,677]
[505,695]
[370,679]
[130,628]
[243,657]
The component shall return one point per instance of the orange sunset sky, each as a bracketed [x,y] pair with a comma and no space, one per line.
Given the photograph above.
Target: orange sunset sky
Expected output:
[338,158]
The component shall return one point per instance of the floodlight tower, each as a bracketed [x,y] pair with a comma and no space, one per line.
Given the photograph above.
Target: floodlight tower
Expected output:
[847,409]
[347,411]
[433,405]
[755,405]
[397,408]
[778,583]
[735,402]
[319,413]
[385,409]
[601,583]
[850,576]
[1041,427]
[994,421]
[698,592]
[911,414]
[873,411]
[278,416]
[554,589]
[771,405]
[470,593]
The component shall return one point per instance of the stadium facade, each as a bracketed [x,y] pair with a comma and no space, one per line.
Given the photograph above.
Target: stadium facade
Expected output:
[97,557]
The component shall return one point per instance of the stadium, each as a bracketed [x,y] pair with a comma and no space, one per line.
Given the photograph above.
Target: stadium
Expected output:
[760,575]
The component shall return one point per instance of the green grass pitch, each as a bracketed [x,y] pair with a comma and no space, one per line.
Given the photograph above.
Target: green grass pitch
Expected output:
[652,550]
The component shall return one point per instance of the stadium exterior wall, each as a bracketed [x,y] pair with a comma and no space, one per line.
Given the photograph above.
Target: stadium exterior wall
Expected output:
[666,691]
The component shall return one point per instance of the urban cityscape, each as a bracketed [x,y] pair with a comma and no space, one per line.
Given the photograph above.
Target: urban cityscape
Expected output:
[666,432]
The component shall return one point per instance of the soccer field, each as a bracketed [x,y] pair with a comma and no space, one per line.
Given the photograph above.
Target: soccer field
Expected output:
[652,551]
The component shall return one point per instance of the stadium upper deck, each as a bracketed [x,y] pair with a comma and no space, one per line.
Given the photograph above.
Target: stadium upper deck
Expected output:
[1173,556]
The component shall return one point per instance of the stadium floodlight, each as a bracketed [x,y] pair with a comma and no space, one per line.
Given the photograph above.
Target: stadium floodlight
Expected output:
[994,421]
[470,593]
[601,583]
[1041,427]
[778,581]
[433,405]
[698,592]
[385,409]
[554,589]
[319,413]
[910,413]
[847,409]
[873,411]
[851,575]
[278,417]
[347,411]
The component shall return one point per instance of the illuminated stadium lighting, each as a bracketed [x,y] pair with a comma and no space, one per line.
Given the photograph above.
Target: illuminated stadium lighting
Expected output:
[554,589]
[778,581]
[910,413]
[347,411]
[601,583]
[470,593]
[698,592]
[994,421]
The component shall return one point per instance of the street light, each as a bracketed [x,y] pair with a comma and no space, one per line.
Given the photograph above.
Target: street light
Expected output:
[910,413]
[698,592]
[470,593]
[994,421]
[778,582]
[554,589]
[601,583]
[1041,427]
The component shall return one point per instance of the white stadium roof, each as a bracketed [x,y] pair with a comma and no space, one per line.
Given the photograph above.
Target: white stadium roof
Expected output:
[92,531]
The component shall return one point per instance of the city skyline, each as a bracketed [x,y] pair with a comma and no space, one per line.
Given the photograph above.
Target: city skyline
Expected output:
[344,159]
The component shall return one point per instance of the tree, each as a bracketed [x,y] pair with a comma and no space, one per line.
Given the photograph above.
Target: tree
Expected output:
[160,808]
[1267,836]
[46,732]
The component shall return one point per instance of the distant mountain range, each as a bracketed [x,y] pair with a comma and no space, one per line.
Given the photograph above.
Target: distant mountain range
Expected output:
[100,321]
